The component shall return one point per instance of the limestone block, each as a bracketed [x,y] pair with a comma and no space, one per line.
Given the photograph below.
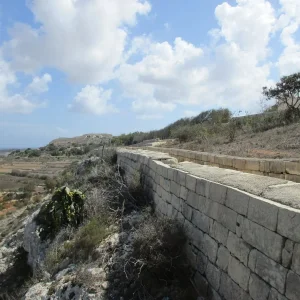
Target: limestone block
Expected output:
[239,225]
[252,164]
[213,295]
[159,190]
[296,259]
[190,255]
[187,211]
[292,168]
[219,232]
[190,232]
[210,248]
[204,156]
[203,204]
[217,192]
[183,192]
[264,166]
[237,200]
[289,223]
[176,202]
[202,187]
[266,268]
[227,161]
[166,196]
[239,273]
[227,217]
[274,295]
[166,184]
[201,284]
[210,208]
[263,239]
[191,182]
[230,290]
[193,199]
[287,253]
[211,158]
[180,177]
[201,262]
[175,188]
[200,220]
[223,258]
[170,174]
[263,212]
[239,248]
[213,275]
[291,177]
[239,163]
[277,166]
[292,286]
[258,289]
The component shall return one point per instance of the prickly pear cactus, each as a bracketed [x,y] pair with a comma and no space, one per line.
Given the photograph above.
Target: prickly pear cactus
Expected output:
[65,208]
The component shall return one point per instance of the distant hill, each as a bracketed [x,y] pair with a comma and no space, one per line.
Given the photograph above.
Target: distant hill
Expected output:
[86,139]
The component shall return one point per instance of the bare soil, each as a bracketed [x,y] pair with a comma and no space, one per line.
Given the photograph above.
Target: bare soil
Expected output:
[281,142]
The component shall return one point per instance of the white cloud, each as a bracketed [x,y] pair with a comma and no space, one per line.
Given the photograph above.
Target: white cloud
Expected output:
[13,103]
[84,39]
[39,85]
[230,74]
[93,100]
[289,60]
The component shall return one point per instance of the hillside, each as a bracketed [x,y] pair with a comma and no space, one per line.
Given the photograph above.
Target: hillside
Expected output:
[86,139]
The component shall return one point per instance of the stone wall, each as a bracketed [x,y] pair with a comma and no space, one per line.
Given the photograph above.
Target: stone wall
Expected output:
[280,168]
[241,246]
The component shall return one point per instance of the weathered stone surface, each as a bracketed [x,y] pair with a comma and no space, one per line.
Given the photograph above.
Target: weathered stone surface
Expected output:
[239,225]
[263,239]
[217,192]
[183,192]
[219,232]
[201,262]
[176,202]
[211,248]
[193,199]
[237,200]
[296,259]
[230,290]
[191,182]
[200,220]
[289,223]
[292,286]
[274,295]
[227,217]
[213,295]
[201,284]
[263,212]
[187,211]
[292,168]
[213,275]
[202,187]
[239,273]
[238,248]
[258,289]
[223,258]
[175,188]
[266,268]
[287,253]
[180,177]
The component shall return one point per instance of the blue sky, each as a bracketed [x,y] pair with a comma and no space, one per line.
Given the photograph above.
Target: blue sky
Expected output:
[69,67]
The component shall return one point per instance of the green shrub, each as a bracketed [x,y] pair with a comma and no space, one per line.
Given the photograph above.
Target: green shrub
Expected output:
[65,208]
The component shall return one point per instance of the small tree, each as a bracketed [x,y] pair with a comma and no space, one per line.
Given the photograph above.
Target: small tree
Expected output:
[286,92]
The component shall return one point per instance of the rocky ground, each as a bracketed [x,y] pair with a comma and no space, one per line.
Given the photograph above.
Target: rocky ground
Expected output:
[280,142]
[111,271]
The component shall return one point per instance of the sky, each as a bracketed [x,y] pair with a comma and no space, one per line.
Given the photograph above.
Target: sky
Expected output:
[70,67]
